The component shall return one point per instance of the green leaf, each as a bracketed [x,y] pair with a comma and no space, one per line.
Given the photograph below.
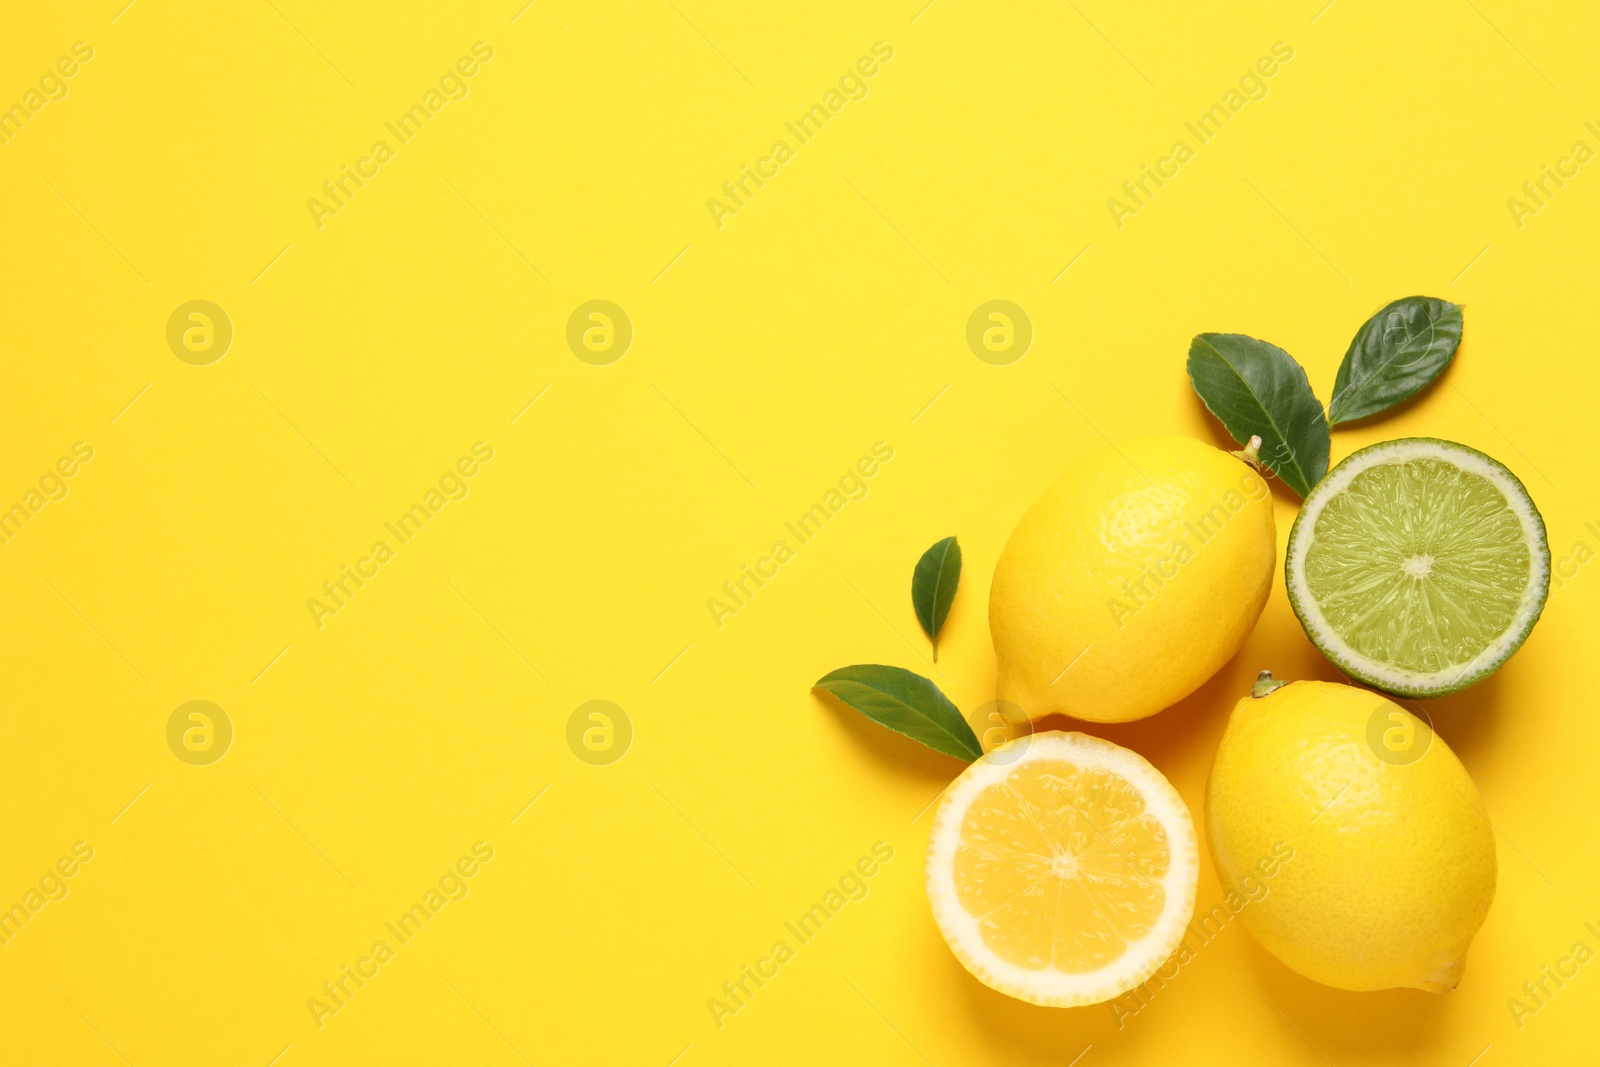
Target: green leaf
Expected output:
[933,587]
[906,703]
[1398,351]
[1257,389]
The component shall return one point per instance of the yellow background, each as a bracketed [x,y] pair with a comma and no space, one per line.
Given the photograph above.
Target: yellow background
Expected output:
[768,354]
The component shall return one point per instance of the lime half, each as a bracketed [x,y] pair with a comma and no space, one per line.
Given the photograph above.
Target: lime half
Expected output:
[1418,566]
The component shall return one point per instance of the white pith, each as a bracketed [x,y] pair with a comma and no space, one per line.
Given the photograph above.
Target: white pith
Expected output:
[1048,986]
[1419,566]
[1383,674]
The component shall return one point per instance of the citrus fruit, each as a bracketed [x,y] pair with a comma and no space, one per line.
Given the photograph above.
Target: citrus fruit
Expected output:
[1418,566]
[1135,576]
[1062,869]
[1385,861]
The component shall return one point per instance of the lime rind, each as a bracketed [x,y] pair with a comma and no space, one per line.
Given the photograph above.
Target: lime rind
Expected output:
[1387,676]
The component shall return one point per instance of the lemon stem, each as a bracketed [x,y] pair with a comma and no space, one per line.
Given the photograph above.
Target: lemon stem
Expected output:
[1251,453]
[1265,682]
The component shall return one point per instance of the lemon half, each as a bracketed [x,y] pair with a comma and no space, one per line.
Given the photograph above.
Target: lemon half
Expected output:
[1062,869]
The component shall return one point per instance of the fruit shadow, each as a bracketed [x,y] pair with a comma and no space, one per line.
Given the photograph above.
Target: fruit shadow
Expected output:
[1341,1025]
[1202,713]
[1468,720]
[1414,400]
[1019,1032]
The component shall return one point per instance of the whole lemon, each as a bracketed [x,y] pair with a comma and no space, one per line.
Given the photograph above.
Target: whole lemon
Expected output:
[1135,576]
[1385,860]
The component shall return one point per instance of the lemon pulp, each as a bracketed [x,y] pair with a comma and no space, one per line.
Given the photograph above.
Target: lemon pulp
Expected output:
[1061,866]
